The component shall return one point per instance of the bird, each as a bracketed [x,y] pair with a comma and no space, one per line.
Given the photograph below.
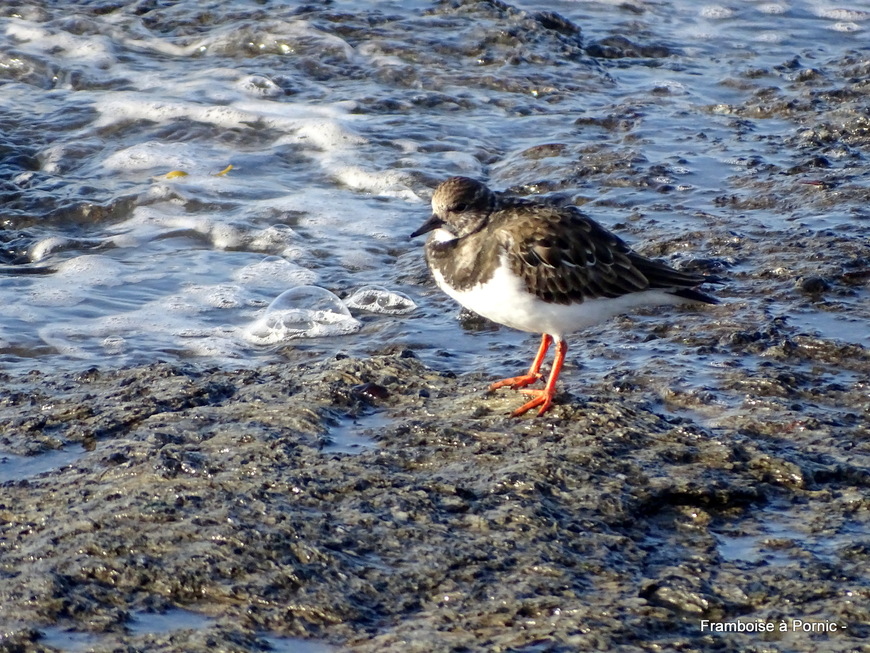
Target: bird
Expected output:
[540,268]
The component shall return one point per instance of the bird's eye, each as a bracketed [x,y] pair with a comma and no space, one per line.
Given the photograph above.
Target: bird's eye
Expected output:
[459,208]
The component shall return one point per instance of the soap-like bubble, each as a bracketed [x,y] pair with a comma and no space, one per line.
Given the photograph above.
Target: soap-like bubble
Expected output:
[376,299]
[303,312]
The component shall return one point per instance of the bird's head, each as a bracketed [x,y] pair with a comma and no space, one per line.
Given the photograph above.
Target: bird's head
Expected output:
[460,206]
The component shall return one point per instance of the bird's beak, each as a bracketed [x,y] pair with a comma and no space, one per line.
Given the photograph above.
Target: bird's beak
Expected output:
[430,225]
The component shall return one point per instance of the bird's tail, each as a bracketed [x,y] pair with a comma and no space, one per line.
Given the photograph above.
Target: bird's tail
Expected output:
[694,295]
[676,282]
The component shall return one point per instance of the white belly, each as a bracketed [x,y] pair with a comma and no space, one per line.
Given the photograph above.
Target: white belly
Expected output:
[504,299]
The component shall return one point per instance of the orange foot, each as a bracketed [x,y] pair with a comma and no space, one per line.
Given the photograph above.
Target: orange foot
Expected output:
[532,375]
[516,382]
[542,398]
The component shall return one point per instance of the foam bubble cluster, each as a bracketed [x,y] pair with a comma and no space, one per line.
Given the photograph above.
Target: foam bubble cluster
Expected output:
[376,299]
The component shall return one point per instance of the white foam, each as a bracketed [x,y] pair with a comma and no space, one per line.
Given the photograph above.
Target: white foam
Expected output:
[74,280]
[842,14]
[277,238]
[217,343]
[53,295]
[92,270]
[846,27]
[220,296]
[175,305]
[673,86]
[716,12]
[16,305]
[376,299]
[323,131]
[166,321]
[92,50]
[321,124]
[63,340]
[275,272]
[125,106]
[319,134]
[372,52]
[225,236]
[388,184]
[770,37]
[155,154]
[196,298]
[160,220]
[772,8]
[258,86]
[162,45]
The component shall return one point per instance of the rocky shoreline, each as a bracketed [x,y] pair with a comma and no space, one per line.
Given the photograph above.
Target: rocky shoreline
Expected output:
[613,522]
[714,471]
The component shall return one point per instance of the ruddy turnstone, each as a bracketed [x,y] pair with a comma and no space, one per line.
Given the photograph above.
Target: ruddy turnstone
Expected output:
[540,268]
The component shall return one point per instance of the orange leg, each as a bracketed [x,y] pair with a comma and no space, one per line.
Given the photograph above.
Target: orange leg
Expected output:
[544,398]
[534,371]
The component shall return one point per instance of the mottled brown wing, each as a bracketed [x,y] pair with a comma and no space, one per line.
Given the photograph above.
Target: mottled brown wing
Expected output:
[565,257]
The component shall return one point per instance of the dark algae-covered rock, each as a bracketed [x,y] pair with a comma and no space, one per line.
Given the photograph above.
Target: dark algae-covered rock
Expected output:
[615,521]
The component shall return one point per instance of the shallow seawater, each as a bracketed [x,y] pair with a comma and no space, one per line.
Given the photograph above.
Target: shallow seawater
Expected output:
[337,121]
[355,434]
[14,467]
[144,624]
[776,536]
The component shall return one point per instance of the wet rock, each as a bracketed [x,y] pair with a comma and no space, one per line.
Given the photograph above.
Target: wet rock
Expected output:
[220,498]
[676,594]
[371,391]
[618,47]
[813,285]
[552,20]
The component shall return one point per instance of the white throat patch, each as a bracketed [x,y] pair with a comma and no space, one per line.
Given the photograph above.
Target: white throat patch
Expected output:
[441,235]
